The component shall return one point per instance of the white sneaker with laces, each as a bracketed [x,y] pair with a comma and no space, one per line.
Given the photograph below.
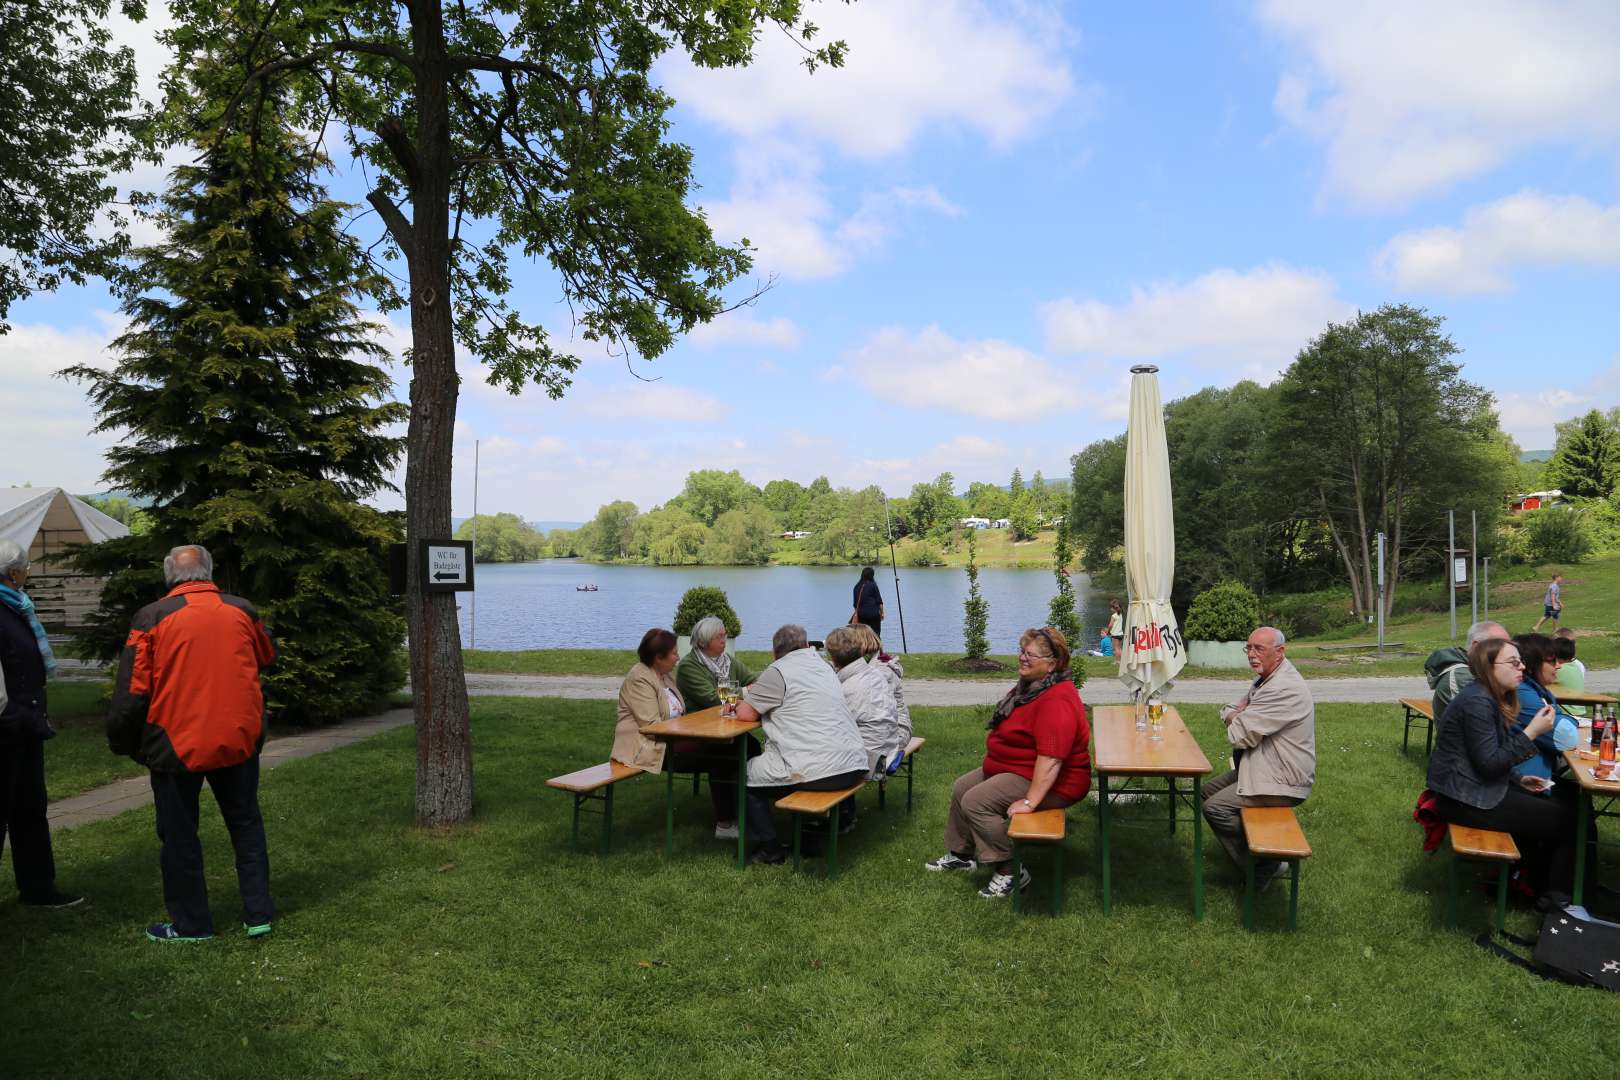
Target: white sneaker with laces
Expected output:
[726,832]
[950,861]
[1001,885]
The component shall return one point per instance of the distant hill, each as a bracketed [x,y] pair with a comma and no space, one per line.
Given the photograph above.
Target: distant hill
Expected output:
[1535,455]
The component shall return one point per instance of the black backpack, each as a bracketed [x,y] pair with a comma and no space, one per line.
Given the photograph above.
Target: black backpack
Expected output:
[1571,948]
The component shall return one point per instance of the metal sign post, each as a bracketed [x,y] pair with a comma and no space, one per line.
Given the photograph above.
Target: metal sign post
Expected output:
[1473,571]
[1380,593]
[1485,587]
[1451,571]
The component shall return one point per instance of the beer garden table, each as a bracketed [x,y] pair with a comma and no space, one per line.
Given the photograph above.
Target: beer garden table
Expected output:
[1581,763]
[706,725]
[1580,699]
[1122,751]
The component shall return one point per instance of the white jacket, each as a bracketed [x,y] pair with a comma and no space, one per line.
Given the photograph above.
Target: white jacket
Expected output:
[867,693]
[893,672]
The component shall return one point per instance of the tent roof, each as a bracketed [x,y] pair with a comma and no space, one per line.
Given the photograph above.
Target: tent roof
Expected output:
[51,519]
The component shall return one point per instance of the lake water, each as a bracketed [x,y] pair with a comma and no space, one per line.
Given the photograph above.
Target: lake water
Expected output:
[536,606]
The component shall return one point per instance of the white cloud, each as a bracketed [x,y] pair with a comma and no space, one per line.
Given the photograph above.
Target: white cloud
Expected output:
[745,328]
[1524,229]
[781,205]
[656,401]
[1411,98]
[45,437]
[968,450]
[1271,310]
[994,70]
[994,380]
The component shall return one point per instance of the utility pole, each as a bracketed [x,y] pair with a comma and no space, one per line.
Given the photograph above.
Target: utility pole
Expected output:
[1451,568]
[1473,571]
[1380,594]
[888,527]
[1485,589]
[472,598]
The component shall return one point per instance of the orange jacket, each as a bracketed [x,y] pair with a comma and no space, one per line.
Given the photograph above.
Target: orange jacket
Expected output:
[188,697]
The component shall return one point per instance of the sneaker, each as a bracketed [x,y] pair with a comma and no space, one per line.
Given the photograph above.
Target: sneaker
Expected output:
[55,900]
[165,932]
[846,825]
[1266,871]
[1001,885]
[728,831]
[770,855]
[951,861]
[894,766]
[257,930]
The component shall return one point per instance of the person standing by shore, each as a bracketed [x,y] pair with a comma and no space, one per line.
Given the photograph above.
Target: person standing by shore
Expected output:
[1116,626]
[868,602]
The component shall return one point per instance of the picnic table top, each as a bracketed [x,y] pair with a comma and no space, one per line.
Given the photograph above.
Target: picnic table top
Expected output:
[1120,748]
[706,724]
[1581,762]
[1582,697]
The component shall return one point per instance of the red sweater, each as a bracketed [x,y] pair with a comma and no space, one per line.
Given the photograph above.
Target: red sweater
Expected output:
[1053,725]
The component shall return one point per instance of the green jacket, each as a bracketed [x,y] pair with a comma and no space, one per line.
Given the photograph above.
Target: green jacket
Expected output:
[698,685]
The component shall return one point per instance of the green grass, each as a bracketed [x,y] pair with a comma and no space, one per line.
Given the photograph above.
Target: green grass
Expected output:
[491,951]
[78,759]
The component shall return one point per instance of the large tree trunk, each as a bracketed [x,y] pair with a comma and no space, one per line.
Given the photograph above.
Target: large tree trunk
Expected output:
[444,777]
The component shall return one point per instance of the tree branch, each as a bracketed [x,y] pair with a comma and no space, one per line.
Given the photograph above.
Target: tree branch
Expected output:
[398,227]
[391,130]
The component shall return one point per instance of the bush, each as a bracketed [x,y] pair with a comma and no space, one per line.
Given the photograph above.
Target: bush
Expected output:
[1307,614]
[922,553]
[701,601]
[1227,612]
[1556,535]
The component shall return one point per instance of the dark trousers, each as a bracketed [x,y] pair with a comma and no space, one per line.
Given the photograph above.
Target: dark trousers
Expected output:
[874,621]
[185,892]
[1542,826]
[22,817]
[762,830]
[719,760]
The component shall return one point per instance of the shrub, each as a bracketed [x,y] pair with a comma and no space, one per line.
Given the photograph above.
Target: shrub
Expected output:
[921,553]
[975,611]
[701,601]
[1307,614]
[1556,535]
[1226,612]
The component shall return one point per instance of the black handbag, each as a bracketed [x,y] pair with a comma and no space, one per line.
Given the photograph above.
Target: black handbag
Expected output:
[1571,948]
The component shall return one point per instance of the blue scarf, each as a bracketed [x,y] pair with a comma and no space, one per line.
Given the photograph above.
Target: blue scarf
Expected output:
[19,602]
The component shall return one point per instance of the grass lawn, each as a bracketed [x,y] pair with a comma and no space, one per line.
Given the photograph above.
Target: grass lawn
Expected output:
[78,759]
[491,951]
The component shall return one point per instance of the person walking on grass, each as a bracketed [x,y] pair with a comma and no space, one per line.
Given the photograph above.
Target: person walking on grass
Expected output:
[188,706]
[1552,605]
[26,662]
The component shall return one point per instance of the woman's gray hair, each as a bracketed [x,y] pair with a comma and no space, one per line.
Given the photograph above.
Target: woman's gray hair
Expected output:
[188,562]
[789,639]
[845,645]
[12,557]
[705,629]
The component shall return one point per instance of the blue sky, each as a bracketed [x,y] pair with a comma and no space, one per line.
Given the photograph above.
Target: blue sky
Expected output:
[994,210]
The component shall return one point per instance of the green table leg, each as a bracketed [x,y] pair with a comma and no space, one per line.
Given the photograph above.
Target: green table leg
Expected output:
[1172,782]
[607,820]
[669,814]
[1248,891]
[742,801]
[1293,897]
[1198,847]
[1102,821]
[1582,812]
[1501,896]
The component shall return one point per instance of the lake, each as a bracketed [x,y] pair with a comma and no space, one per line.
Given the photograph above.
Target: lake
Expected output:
[536,606]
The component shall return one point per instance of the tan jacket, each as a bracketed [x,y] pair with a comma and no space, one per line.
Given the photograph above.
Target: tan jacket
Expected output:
[1277,733]
[642,701]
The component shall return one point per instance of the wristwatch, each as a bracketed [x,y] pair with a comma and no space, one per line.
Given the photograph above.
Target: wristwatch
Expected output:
[1027,803]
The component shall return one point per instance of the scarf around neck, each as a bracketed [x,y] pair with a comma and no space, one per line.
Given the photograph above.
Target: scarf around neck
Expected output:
[719,667]
[20,603]
[1023,693]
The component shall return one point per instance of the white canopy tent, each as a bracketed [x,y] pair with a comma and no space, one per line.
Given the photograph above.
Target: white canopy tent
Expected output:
[47,522]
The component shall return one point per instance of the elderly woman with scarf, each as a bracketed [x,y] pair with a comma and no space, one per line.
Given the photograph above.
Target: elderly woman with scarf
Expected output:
[1035,758]
[701,670]
[27,661]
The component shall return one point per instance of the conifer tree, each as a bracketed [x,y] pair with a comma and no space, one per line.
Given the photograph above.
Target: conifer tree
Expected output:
[1062,615]
[1015,487]
[975,611]
[255,416]
[1586,463]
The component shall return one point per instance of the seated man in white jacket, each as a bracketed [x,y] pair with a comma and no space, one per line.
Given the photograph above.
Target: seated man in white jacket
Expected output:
[1272,729]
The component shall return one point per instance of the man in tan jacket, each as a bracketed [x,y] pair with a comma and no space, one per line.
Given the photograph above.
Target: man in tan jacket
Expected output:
[1272,729]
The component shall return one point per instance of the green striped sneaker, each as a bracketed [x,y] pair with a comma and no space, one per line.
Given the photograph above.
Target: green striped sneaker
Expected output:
[256,931]
[166,933]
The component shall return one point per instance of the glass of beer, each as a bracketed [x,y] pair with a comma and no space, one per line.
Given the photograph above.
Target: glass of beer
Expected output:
[727,691]
[1156,717]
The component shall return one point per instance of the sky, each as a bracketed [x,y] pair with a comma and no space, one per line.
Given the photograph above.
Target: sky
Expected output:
[978,225]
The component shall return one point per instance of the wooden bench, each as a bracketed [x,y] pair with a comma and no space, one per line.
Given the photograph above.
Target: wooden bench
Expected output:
[1486,846]
[905,766]
[803,804]
[590,785]
[1039,827]
[1273,832]
[1418,711]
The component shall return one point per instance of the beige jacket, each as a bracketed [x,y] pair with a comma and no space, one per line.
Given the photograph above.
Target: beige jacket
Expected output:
[1276,730]
[642,701]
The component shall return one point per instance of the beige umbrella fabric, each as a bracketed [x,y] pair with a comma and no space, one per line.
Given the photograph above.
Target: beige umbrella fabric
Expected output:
[1154,652]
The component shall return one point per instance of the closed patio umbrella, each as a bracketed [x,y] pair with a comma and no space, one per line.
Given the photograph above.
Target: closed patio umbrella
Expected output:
[1154,652]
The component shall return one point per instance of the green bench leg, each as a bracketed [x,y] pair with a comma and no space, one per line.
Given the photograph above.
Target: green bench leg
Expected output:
[573,836]
[1018,877]
[1406,731]
[832,843]
[1102,826]
[798,822]
[1501,896]
[1248,891]
[1293,895]
[669,815]
[1057,880]
[607,819]
[883,790]
[697,783]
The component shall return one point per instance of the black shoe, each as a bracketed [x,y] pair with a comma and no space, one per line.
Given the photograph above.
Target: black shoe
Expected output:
[1553,900]
[769,855]
[55,900]
[1266,871]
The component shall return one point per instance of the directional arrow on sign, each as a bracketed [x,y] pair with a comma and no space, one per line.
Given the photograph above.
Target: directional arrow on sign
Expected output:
[446,576]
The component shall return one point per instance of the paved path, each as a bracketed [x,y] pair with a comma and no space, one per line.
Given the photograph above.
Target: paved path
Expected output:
[136,792]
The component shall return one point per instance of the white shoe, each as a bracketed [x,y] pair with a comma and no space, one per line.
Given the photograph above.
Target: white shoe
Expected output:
[726,832]
[949,861]
[1001,885]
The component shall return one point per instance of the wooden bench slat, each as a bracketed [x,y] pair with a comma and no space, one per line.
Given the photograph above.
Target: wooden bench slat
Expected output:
[1482,843]
[1274,832]
[1039,825]
[1423,706]
[597,776]
[815,802]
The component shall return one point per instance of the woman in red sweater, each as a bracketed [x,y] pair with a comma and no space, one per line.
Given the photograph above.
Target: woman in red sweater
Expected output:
[1035,758]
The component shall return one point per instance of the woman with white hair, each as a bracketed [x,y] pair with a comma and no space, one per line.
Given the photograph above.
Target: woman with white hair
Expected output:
[26,659]
[701,671]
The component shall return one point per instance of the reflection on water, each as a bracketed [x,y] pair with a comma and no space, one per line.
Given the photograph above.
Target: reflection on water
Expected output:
[537,606]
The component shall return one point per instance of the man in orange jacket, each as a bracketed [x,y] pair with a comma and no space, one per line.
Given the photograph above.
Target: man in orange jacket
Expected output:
[189,707]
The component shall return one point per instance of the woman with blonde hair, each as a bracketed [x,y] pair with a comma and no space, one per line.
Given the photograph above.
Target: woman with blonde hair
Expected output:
[892,672]
[1471,771]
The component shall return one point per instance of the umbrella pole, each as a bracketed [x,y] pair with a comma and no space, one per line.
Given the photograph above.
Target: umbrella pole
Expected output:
[899,607]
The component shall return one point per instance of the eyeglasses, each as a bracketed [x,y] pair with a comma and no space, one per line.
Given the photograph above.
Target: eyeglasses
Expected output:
[1025,654]
[1513,663]
[1258,648]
